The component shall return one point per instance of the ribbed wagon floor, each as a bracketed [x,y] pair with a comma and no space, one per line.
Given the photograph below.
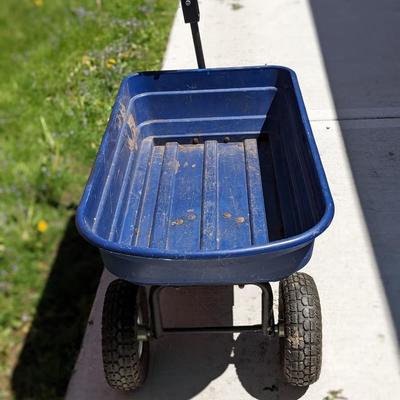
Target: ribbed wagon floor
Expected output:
[192,197]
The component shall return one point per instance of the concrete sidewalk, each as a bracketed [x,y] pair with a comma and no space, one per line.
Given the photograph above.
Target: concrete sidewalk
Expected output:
[359,144]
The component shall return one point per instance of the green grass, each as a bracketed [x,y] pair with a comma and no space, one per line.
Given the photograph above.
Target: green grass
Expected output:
[61,62]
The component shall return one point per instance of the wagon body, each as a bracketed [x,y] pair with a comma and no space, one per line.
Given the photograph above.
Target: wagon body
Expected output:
[206,177]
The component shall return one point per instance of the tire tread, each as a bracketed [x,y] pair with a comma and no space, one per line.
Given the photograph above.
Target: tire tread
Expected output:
[302,344]
[123,368]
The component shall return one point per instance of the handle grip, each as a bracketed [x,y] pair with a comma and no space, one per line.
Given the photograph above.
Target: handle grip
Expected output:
[191,11]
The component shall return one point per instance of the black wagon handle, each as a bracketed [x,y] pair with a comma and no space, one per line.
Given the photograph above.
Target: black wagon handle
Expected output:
[191,14]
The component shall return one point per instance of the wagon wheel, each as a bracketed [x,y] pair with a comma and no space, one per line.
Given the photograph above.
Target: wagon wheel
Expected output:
[125,358]
[300,315]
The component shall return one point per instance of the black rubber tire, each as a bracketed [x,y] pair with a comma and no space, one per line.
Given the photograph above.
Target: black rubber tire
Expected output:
[300,314]
[123,367]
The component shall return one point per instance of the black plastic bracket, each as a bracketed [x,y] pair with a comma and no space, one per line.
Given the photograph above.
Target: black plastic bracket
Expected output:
[191,14]
[191,11]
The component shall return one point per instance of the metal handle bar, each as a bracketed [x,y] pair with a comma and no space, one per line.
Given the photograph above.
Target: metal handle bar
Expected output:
[191,14]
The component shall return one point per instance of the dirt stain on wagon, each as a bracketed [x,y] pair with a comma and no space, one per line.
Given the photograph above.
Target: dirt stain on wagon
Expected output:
[132,138]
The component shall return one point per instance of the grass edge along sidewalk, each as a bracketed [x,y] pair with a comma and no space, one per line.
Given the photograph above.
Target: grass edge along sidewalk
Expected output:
[60,67]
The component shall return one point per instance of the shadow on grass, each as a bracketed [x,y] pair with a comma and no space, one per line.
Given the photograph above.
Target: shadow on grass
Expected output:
[48,357]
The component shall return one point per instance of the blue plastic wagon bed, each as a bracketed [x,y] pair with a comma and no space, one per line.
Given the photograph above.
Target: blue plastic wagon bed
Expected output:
[207,177]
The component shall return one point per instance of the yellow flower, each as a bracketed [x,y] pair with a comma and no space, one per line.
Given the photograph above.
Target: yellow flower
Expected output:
[86,61]
[111,62]
[42,226]
[37,3]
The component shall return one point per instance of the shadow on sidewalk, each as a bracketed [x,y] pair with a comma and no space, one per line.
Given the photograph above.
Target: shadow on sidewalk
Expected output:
[360,45]
[48,356]
[184,365]
[258,367]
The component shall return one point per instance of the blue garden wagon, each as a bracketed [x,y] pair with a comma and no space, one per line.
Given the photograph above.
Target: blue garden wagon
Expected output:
[207,177]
